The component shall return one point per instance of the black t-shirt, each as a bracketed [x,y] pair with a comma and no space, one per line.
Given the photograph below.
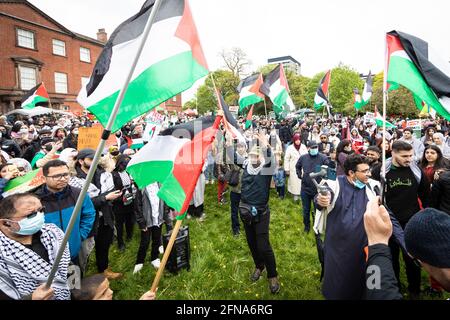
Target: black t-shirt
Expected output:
[402,193]
[36,246]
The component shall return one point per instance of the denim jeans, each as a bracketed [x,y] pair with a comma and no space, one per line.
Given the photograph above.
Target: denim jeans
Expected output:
[209,173]
[235,198]
[281,191]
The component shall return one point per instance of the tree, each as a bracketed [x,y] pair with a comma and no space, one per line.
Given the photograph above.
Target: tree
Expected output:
[191,104]
[400,102]
[236,61]
[226,83]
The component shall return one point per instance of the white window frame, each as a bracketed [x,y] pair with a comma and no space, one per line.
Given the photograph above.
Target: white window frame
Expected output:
[22,78]
[60,86]
[84,81]
[59,44]
[83,54]
[22,35]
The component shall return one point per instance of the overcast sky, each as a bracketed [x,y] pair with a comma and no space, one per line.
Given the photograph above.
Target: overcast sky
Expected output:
[319,33]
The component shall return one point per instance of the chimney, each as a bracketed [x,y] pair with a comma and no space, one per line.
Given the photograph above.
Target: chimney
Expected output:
[102,36]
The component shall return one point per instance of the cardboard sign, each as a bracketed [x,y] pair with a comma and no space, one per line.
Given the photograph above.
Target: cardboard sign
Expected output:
[414,124]
[89,137]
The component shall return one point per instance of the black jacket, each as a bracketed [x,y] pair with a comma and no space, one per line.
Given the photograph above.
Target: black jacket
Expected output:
[381,283]
[440,193]
[100,202]
[70,142]
[31,151]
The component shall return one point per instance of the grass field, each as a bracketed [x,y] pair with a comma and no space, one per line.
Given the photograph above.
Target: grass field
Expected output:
[221,263]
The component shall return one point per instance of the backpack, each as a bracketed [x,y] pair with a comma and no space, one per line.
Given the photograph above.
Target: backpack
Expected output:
[232,177]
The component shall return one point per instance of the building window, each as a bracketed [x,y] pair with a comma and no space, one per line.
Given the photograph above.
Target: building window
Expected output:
[27,77]
[174,99]
[60,82]
[26,39]
[85,54]
[59,47]
[84,81]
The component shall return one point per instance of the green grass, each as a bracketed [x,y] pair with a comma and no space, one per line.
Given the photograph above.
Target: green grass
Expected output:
[221,264]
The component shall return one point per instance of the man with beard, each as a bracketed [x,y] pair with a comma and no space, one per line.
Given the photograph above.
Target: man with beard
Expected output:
[373,158]
[254,206]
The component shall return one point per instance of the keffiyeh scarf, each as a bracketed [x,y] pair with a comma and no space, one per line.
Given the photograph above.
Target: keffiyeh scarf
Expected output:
[22,270]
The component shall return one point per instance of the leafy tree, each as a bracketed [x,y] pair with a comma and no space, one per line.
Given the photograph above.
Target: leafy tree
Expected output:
[226,83]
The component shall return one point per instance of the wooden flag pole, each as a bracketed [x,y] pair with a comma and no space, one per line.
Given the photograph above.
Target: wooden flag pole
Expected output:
[265,107]
[98,153]
[167,252]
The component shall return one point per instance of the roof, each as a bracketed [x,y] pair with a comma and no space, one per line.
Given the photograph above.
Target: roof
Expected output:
[284,58]
[64,29]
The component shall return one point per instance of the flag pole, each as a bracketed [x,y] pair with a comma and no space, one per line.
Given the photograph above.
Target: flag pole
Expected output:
[265,106]
[98,153]
[383,162]
[167,252]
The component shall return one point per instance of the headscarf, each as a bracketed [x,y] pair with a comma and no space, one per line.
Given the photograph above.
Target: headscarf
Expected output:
[296,137]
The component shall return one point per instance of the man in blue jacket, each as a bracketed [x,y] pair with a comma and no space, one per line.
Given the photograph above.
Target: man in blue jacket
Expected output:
[59,200]
[307,164]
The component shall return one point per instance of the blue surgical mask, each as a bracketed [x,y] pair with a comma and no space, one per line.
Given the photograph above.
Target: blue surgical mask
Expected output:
[30,226]
[359,184]
[314,152]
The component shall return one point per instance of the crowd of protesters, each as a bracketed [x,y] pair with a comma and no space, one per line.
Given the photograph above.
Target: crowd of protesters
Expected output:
[284,155]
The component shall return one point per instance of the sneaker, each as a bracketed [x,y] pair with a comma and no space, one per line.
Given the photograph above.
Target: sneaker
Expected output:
[256,275]
[188,217]
[161,249]
[274,285]
[202,217]
[138,268]
[156,263]
[236,234]
[110,275]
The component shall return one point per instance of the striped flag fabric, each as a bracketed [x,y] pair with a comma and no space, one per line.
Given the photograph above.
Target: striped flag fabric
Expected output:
[175,159]
[171,61]
[249,91]
[249,120]
[275,86]
[35,96]
[367,93]
[26,183]
[321,98]
[411,63]
[229,122]
[379,120]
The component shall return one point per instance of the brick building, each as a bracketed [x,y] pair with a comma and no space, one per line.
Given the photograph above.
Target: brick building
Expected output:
[35,48]
[173,104]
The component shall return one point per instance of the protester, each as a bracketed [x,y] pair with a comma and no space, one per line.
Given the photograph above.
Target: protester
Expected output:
[417,145]
[325,147]
[433,163]
[438,139]
[28,247]
[427,238]
[149,216]
[59,198]
[343,150]
[48,152]
[405,185]
[345,238]
[428,137]
[307,164]
[235,191]
[279,178]
[124,207]
[293,153]
[254,207]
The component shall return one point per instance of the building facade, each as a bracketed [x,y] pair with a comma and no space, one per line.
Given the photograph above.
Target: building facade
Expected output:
[35,48]
[173,104]
[288,62]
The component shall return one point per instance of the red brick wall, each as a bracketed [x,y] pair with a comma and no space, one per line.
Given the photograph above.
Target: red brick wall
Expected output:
[71,64]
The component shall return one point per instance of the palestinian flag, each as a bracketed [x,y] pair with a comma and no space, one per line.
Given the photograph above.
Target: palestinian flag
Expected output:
[321,97]
[35,96]
[26,183]
[411,63]
[367,93]
[175,159]
[171,61]
[249,120]
[229,122]
[379,120]
[136,144]
[249,91]
[276,87]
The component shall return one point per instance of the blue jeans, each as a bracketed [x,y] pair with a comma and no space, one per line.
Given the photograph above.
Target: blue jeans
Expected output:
[235,198]
[306,203]
[209,173]
[281,191]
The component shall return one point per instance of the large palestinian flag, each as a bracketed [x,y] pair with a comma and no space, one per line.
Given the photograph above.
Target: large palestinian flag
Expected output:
[171,61]
[276,87]
[367,94]
[321,98]
[229,122]
[26,183]
[249,91]
[35,96]
[412,64]
[175,159]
